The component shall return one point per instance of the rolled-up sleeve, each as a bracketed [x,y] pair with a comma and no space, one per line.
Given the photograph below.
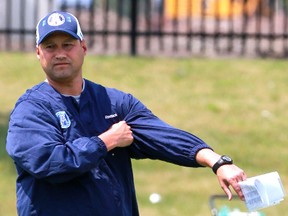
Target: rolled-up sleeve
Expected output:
[155,139]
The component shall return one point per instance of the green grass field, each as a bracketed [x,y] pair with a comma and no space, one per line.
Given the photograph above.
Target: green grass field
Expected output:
[238,106]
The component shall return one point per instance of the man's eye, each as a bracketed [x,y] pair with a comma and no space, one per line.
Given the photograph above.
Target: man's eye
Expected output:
[49,46]
[68,45]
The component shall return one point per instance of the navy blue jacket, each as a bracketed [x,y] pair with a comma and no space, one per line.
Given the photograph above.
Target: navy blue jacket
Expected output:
[64,169]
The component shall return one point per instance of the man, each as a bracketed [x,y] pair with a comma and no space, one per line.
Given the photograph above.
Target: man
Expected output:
[72,140]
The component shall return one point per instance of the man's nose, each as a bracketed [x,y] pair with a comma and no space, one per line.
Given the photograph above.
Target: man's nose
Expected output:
[60,54]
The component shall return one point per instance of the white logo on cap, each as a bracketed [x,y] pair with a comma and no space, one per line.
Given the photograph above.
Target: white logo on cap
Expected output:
[56,19]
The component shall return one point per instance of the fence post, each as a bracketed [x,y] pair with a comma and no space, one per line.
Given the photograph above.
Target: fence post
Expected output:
[133,33]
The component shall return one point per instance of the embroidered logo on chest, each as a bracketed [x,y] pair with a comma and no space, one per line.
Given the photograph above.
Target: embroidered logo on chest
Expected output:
[111,116]
[64,119]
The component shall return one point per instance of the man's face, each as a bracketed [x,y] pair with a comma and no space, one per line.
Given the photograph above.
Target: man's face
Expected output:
[61,57]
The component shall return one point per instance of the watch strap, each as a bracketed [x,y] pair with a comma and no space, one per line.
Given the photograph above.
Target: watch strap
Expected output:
[224,160]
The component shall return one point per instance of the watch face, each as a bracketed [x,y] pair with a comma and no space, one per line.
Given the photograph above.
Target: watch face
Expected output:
[226,158]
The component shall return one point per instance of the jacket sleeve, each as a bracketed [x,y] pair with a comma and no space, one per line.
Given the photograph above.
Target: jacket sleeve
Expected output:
[36,143]
[155,139]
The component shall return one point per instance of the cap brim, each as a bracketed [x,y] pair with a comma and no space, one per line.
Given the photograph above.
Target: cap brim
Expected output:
[41,39]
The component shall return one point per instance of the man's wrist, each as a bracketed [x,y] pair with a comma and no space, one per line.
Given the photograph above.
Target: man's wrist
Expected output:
[224,160]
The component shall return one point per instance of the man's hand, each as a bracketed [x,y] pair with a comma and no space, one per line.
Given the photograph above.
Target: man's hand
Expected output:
[230,175]
[119,135]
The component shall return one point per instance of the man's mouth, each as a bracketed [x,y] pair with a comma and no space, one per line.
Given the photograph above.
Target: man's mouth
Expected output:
[61,64]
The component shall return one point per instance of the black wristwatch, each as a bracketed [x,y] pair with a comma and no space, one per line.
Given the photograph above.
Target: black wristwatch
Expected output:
[222,161]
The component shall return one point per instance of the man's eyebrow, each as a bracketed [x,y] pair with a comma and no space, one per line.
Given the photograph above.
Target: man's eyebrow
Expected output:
[70,39]
[46,41]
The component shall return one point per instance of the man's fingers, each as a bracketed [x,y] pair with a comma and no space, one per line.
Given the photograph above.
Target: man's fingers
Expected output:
[227,192]
[229,176]
[236,187]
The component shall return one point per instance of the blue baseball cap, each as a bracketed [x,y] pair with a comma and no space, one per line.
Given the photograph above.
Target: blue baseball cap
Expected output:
[58,21]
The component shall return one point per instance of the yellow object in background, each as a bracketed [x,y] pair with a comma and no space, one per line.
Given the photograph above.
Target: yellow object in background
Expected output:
[216,8]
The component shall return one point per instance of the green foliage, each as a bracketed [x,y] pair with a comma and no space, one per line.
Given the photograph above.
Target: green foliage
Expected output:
[238,106]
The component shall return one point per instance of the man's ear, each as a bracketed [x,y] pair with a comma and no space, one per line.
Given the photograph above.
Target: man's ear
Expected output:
[37,52]
[84,46]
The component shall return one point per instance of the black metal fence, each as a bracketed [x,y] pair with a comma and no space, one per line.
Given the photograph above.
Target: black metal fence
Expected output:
[257,28]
